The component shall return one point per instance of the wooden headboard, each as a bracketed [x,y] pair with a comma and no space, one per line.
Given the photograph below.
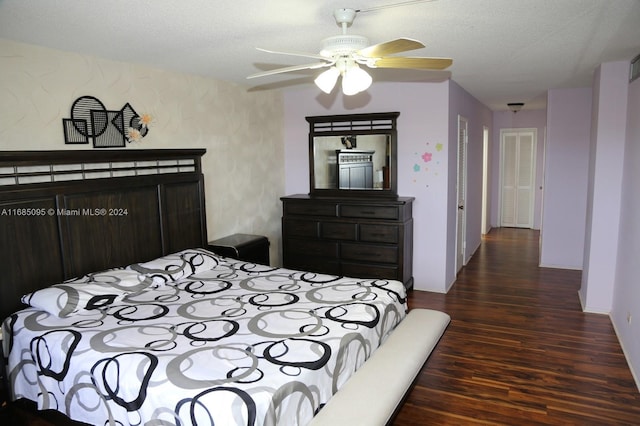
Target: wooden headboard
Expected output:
[66,213]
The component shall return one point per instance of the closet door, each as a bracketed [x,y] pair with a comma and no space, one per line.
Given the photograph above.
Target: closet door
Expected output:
[517,177]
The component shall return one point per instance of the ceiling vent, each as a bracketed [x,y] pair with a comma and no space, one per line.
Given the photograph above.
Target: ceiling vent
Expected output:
[635,68]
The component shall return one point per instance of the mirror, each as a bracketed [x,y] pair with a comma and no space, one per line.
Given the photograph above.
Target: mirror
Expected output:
[351,162]
[353,155]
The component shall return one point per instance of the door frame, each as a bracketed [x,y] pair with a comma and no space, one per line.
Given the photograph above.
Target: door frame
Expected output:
[461,191]
[485,226]
[534,159]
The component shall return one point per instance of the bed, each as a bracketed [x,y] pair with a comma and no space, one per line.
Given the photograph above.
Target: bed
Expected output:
[130,320]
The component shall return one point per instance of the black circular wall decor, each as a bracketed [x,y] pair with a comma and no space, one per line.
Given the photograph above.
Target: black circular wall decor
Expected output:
[81,110]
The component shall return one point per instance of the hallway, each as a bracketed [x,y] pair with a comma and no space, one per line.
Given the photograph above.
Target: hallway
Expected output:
[519,350]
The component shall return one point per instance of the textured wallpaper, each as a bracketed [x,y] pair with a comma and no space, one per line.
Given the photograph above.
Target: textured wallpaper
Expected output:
[242,132]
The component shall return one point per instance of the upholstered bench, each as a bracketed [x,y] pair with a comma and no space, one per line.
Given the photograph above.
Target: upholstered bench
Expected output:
[371,396]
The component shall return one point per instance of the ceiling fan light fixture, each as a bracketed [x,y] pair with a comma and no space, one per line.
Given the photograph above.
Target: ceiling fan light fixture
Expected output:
[327,80]
[355,80]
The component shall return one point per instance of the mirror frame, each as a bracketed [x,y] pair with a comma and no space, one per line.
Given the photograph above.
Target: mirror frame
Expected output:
[353,125]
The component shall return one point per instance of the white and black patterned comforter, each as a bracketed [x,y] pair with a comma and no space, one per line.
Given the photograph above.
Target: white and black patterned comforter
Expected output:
[197,339]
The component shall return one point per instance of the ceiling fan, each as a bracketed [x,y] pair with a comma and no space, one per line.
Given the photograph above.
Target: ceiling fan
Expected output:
[345,53]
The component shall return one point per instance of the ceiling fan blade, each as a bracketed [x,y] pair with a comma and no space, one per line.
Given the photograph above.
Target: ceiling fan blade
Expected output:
[413,63]
[292,68]
[390,47]
[303,54]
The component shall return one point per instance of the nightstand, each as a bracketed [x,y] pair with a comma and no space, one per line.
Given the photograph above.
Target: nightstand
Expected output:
[250,248]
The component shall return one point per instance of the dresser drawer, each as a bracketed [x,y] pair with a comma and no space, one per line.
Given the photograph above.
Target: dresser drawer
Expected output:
[297,246]
[338,231]
[367,270]
[310,209]
[359,237]
[369,252]
[372,212]
[379,234]
[300,228]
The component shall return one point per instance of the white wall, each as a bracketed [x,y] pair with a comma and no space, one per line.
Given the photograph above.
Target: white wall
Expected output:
[566,175]
[241,131]
[626,292]
[605,185]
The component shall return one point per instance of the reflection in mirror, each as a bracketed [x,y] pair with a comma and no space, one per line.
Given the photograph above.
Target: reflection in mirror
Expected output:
[352,162]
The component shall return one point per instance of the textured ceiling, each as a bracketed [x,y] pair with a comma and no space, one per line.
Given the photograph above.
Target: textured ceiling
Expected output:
[503,50]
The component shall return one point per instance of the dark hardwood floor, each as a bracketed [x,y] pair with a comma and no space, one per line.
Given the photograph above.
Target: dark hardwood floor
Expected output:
[519,350]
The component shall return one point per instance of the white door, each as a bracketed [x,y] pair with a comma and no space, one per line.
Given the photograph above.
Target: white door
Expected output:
[462,188]
[517,177]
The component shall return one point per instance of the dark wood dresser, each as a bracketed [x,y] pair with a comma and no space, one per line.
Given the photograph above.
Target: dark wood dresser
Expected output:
[369,238]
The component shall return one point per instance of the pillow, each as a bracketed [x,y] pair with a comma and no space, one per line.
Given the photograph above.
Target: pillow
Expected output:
[92,291]
[122,279]
[100,289]
[178,265]
[67,299]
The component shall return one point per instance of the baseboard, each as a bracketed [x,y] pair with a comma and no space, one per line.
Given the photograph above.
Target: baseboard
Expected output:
[636,378]
[473,252]
[581,301]
[554,266]
[591,309]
